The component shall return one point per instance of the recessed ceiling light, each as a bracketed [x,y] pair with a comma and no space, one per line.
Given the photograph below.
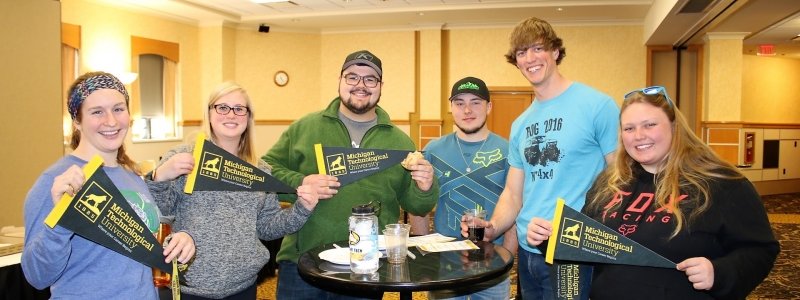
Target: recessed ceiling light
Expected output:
[560,9]
[421,14]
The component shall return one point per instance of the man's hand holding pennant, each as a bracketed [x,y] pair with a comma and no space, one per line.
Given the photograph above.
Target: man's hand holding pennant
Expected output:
[352,164]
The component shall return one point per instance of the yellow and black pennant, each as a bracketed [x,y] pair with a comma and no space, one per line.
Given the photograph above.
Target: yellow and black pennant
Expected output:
[100,213]
[352,164]
[576,237]
[217,170]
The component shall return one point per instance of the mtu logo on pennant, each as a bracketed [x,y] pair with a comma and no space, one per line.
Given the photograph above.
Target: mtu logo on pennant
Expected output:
[591,241]
[100,213]
[218,170]
[352,164]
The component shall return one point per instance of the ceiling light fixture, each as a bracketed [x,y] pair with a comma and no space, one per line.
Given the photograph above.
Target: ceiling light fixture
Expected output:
[560,9]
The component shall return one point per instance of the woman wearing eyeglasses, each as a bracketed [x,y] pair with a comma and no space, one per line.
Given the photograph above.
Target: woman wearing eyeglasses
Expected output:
[226,225]
[671,193]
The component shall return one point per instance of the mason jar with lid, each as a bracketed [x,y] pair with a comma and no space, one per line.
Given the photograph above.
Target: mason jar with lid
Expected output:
[363,240]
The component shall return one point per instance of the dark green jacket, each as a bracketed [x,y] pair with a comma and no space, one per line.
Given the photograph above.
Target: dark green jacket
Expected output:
[292,158]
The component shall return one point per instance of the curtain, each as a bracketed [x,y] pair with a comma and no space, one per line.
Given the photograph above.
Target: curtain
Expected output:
[169,88]
[68,75]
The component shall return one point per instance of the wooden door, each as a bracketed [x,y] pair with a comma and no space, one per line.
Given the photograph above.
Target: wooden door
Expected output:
[506,107]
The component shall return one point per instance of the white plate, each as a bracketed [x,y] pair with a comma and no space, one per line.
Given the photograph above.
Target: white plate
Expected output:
[339,256]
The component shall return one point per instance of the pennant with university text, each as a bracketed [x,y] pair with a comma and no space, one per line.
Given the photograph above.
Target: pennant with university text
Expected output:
[568,280]
[352,164]
[218,170]
[100,213]
[578,238]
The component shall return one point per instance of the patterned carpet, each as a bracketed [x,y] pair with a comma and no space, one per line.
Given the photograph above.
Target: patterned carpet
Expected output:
[784,213]
[782,282]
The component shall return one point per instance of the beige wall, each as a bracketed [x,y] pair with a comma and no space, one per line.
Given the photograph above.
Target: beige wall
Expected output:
[396,51]
[30,88]
[722,82]
[770,90]
[260,55]
[106,44]
[609,58]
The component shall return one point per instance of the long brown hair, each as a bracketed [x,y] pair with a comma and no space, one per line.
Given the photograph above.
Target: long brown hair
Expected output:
[75,138]
[688,166]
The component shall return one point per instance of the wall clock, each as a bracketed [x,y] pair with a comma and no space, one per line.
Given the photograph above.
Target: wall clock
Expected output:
[281,78]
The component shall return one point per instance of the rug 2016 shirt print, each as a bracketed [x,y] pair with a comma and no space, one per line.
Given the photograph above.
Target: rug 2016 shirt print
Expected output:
[540,150]
[560,144]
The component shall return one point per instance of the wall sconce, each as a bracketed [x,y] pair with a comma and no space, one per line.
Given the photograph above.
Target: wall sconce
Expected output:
[126,77]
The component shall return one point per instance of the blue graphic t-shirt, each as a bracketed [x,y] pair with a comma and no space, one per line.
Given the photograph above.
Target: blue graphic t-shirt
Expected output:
[560,145]
[461,189]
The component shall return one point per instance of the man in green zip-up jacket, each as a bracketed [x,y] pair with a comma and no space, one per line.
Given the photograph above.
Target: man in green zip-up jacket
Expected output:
[351,120]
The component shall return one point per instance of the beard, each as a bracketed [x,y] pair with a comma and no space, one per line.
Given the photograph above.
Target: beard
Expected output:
[359,109]
[473,130]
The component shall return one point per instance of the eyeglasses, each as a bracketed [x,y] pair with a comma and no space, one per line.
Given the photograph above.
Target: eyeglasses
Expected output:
[369,81]
[224,109]
[653,90]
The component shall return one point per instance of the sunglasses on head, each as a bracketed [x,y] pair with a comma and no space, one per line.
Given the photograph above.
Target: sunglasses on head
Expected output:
[652,90]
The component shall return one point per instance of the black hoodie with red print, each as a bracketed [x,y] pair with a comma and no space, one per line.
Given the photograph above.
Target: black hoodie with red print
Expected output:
[734,234]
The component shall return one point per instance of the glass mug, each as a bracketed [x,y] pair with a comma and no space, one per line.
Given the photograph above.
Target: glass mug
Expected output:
[161,278]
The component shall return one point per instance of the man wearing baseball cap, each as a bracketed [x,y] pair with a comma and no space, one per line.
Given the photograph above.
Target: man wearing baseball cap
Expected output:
[353,119]
[471,156]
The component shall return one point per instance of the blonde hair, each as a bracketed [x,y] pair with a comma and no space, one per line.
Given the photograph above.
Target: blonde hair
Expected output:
[530,32]
[689,166]
[247,140]
[122,157]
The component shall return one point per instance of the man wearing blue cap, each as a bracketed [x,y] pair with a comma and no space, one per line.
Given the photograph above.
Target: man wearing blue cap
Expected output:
[353,119]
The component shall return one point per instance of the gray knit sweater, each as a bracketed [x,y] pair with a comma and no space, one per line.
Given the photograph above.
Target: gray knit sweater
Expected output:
[226,228]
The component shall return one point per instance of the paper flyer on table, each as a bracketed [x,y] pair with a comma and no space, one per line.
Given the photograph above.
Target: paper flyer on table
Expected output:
[418,240]
[448,246]
[428,239]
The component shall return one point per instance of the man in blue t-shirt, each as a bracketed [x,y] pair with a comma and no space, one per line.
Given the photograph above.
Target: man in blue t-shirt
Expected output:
[557,147]
[471,166]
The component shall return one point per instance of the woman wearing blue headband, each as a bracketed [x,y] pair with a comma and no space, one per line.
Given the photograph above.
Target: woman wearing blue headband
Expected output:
[72,266]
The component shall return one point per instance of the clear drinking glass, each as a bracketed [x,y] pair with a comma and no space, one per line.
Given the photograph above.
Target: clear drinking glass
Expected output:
[396,244]
[476,223]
